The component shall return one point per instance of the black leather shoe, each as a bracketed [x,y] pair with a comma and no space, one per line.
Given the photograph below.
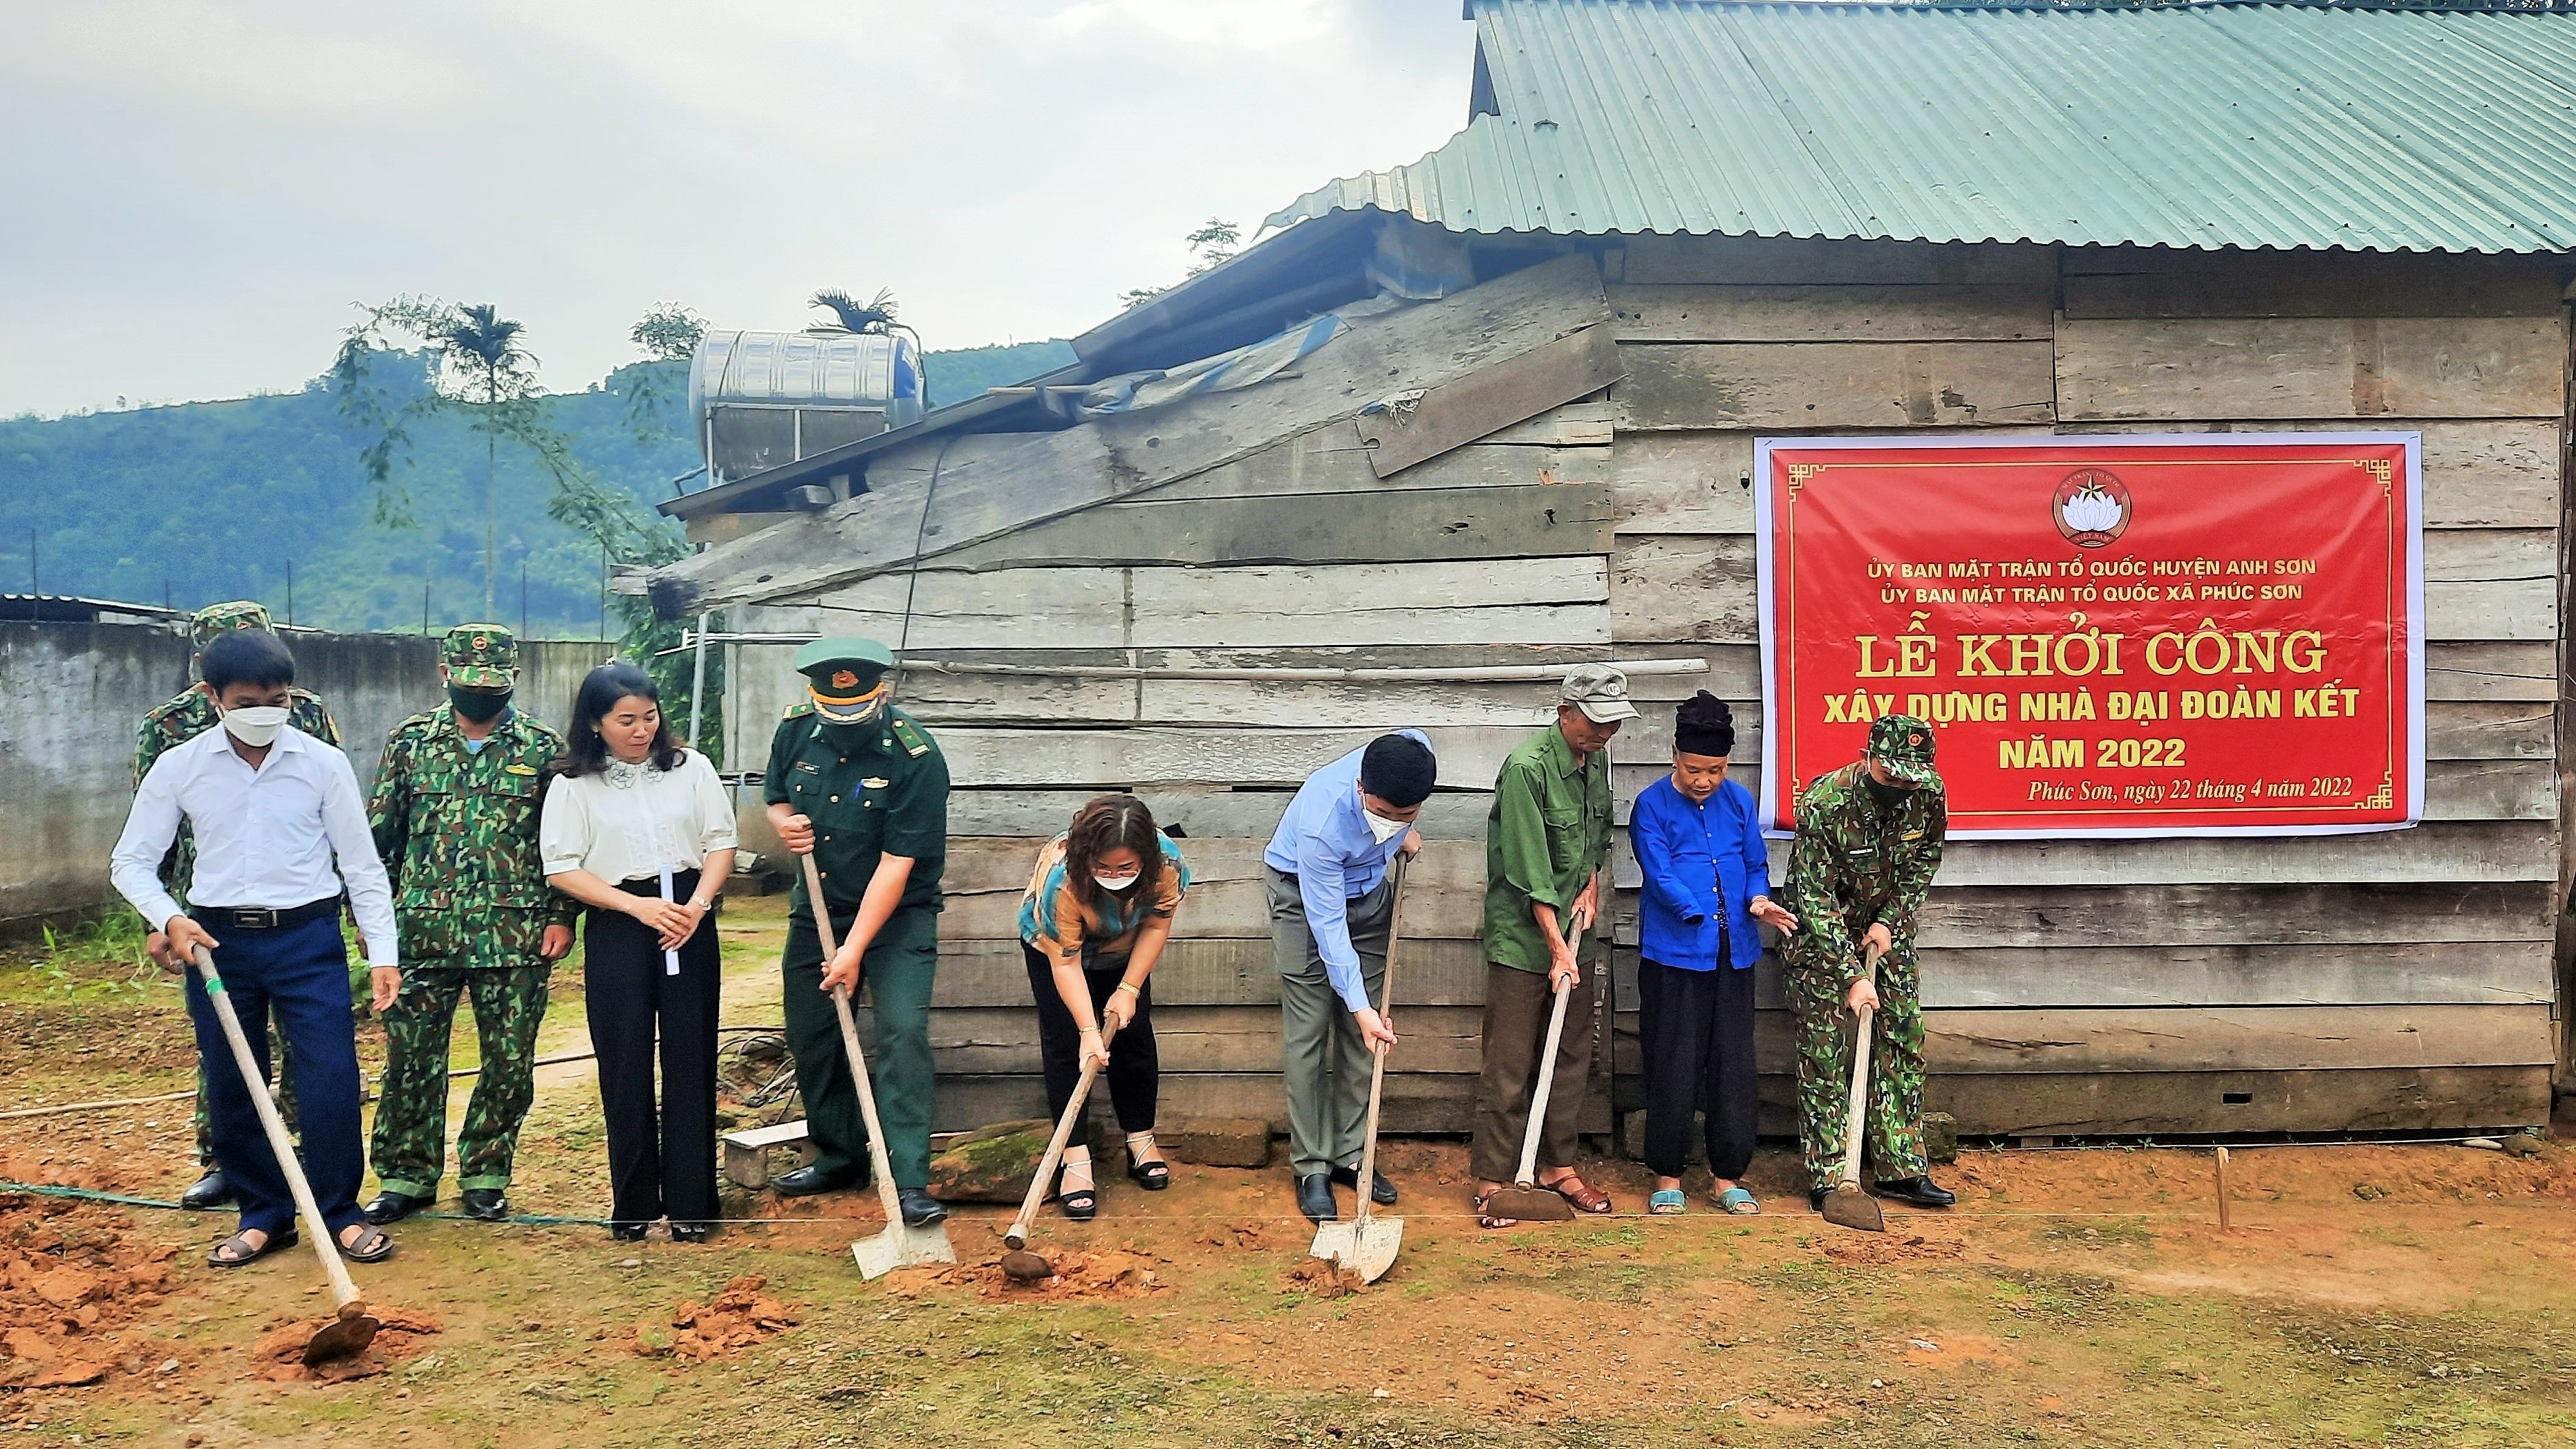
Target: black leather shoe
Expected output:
[392,1207]
[1816,1199]
[920,1209]
[627,1232]
[1919,1191]
[209,1191]
[486,1204]
[806,1181]
[1381,1191]
[1315,1197]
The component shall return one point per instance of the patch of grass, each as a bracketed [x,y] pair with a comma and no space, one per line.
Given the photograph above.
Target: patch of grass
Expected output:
[2097,1232]
[2064,1298]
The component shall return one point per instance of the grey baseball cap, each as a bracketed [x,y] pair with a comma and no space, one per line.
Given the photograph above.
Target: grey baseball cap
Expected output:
[1600,691]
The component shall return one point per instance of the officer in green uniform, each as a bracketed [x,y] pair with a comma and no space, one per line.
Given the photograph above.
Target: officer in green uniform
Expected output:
[857,784]
[455,819]
[1869,839]
[172,724]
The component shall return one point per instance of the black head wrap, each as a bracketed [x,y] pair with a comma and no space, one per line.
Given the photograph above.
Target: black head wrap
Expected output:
[1704,726]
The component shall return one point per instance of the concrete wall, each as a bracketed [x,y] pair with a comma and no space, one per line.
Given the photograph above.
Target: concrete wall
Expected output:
[72,694]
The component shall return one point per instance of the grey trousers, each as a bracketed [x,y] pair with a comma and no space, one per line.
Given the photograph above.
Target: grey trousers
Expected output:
[1326,1064]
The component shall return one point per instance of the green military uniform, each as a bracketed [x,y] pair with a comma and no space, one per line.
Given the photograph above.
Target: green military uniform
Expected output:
[176,722]
[1863,858]
[457,830]
[874,784]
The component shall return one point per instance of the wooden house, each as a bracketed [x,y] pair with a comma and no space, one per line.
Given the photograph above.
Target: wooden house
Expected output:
[1667,229]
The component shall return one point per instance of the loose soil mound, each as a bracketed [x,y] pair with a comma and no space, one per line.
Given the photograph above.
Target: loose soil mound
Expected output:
[1111,1274]
[279,1354]
[1880,1249]
[739,1317]
[71,1278]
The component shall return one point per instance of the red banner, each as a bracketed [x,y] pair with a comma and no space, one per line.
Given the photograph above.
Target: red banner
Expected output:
[2205,635]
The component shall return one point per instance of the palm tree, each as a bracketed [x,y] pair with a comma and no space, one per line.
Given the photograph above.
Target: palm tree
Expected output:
[484,348]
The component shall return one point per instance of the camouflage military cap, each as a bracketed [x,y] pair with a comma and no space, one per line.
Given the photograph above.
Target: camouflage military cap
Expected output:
[216,620]
[480,656]
[1904,745]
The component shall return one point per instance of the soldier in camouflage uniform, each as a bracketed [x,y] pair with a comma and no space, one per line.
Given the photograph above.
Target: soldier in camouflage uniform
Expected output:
[173,724]
[1869,839]
[455,818]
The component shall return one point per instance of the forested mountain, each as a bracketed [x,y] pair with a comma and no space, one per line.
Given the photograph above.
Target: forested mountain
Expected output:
[206,501]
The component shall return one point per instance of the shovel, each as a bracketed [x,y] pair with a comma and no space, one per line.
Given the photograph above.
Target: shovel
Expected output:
[1019,1263]
[1525,1200]
[354,1328]
[1847,1206]
[1367,1244]
[900,1245]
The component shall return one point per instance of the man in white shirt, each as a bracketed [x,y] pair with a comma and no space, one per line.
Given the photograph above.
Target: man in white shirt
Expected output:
[273,810]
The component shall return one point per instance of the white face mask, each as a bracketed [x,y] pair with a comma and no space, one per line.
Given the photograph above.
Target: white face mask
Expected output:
[1382,829]
[256,727]
[1115,882]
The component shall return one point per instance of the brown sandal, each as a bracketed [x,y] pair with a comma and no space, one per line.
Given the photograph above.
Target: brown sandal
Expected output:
[1585,1197]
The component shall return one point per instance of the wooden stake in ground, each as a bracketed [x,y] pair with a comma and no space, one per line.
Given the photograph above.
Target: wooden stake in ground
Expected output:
[2226,1190]
[901,1245]
[1367,1244]
[354,1328]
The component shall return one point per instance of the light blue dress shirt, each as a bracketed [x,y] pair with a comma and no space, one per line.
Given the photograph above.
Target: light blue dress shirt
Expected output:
[1323,840]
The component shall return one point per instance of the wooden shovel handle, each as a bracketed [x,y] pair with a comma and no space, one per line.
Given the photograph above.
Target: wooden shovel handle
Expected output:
[1856,1115]
[1386,1014]
[324,1244]
[858,1060]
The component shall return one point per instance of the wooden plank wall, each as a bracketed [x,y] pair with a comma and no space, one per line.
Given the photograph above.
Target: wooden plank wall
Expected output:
[2392,981]
[2188,986]
[1494,553]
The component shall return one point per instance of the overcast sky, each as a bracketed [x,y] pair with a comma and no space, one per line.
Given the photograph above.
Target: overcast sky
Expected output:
[196,192]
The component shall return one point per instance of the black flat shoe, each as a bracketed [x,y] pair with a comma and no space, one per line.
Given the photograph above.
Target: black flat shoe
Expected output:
[1917,1191]
[920,1209]
[691,1232]
[392,1207]
[1381,1191]
[485,1204]
[243,1254]
[209,1191]
[1315,1197]
[627,1232]
[806,1181]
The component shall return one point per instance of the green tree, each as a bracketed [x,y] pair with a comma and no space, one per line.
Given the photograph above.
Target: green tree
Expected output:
[478,364]
[1211,246]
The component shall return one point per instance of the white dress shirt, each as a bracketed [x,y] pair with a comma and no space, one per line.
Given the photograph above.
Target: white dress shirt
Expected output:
[266,838]
[628,821]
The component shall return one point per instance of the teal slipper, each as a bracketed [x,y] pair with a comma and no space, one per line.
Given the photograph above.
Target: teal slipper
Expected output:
[1667,1202]
[1739,1202]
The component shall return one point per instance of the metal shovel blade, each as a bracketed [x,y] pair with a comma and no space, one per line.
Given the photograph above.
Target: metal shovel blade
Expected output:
[1849,1207]
[1367,1249]
[900,1246]
[346,1336]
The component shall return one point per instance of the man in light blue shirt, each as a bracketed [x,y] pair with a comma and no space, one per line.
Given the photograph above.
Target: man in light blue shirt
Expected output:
[1330,906]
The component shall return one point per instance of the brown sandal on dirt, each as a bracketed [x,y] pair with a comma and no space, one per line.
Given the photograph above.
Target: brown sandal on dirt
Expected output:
[236,1252]
[1585,1197]
[372,1245]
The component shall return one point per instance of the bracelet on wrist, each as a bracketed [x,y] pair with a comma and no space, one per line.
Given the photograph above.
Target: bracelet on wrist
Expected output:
[1130,987]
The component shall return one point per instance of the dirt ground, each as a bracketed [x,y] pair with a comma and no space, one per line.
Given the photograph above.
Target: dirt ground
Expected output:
[2369,1295]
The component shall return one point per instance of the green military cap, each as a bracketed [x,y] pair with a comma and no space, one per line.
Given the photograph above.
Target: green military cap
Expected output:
[1904,745]
[843,667]
[216,620]
[480,656]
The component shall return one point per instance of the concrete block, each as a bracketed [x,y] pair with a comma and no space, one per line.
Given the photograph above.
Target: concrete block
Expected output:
[1217,1141]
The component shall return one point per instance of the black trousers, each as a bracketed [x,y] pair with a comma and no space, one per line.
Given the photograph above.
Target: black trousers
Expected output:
[1697,1031]
[1134,1072]
[659,1162]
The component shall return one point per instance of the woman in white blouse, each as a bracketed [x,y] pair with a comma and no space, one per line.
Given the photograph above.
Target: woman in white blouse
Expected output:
[641,831]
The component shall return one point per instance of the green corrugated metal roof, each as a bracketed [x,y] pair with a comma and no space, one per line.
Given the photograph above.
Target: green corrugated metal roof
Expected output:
[2206,126]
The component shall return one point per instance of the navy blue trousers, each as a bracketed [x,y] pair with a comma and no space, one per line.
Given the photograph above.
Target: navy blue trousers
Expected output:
[301,975]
